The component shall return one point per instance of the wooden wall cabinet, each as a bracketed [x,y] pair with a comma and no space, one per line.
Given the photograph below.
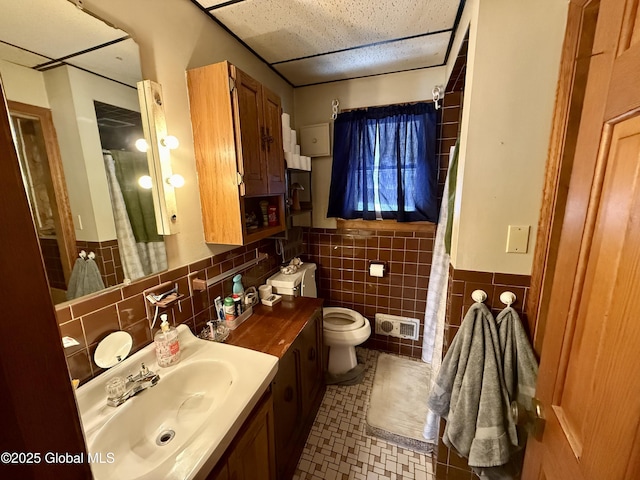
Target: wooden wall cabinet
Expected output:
[237,133]
[251,455]
[297,393]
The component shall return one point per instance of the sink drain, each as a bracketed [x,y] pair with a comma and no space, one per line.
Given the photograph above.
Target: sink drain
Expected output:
[165,437]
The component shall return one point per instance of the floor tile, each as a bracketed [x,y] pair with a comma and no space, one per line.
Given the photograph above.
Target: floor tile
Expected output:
[338,447]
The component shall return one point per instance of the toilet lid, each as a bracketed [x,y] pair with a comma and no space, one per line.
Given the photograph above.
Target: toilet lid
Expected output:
[339,319]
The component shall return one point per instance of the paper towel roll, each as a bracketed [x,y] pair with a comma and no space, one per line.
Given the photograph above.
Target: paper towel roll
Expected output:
[376,270]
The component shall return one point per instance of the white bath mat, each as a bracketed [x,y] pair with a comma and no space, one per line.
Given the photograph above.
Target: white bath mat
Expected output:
[398,403]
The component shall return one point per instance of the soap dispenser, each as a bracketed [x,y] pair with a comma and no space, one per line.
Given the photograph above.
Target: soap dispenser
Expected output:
[167,344]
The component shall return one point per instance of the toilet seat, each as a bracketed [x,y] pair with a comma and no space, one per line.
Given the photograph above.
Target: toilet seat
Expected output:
[338,319]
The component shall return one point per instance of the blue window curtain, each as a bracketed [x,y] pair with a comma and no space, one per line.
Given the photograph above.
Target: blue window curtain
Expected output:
[384,164]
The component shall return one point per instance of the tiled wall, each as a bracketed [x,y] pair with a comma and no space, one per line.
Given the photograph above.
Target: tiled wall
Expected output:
[123,308]
[343,276]
[107,259]
[449,465]
[52,262]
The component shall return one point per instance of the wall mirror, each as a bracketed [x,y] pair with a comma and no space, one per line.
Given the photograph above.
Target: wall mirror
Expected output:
[70,81]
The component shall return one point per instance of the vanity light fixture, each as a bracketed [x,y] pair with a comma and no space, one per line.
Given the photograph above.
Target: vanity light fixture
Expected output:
[145,182]
[170,142]
[176,180]
[158,156]
[142,145]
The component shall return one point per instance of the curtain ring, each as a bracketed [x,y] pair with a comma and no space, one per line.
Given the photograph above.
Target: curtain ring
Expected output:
[334,108]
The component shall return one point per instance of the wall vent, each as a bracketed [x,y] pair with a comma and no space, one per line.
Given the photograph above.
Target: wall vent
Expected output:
[394,326]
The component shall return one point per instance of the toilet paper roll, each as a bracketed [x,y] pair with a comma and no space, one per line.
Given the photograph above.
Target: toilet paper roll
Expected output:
[376,270]
[286,121]
[286,138]
[288,156]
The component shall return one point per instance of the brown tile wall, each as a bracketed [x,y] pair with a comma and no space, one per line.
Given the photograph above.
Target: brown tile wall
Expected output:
[343,276]
[123,308]
[449,465]
[107,258]
[52,262]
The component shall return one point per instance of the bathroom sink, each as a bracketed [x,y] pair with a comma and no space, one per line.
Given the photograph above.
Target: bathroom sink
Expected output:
[180,427]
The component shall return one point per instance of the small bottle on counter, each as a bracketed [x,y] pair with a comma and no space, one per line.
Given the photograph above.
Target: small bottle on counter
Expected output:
[167,344]
[229,309]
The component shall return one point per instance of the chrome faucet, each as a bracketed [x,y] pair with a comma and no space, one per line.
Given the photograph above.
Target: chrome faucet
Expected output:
[120,390]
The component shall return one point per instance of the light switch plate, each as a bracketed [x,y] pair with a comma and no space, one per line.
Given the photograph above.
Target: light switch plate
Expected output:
[518,238]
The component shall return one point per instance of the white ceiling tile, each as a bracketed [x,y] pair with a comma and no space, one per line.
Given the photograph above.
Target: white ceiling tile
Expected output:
[32,24]
[210,3]
[20,57]
[120,61]
[282,30]
[390,57]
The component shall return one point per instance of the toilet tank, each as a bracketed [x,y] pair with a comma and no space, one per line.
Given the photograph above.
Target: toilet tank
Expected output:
[302,283]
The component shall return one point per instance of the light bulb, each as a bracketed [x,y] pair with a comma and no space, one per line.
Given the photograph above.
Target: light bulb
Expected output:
[142,145]
[170,142]
[145,182]
[176,180]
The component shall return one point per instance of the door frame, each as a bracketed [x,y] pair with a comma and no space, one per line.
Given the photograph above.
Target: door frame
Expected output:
[570,93]
[65,234]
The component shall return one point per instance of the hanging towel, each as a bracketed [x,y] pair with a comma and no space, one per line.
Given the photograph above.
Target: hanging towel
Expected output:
[470,393]
[85,279]
[519,362]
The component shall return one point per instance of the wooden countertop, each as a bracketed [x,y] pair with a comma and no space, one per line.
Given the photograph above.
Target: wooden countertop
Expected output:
[273,329]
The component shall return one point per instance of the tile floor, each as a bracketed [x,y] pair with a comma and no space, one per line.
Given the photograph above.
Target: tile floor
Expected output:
[338,447]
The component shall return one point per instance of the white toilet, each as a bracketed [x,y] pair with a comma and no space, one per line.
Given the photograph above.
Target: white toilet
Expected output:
[343,328]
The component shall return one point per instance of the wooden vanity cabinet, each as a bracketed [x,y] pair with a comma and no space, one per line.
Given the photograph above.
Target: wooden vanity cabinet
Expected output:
[237,133]
[298,390]
[251,455]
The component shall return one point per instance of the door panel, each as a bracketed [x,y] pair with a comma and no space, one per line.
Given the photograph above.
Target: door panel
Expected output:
[248,95]
[588,382]
[274,152]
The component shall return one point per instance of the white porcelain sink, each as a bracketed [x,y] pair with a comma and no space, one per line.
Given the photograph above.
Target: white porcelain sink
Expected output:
[179,428]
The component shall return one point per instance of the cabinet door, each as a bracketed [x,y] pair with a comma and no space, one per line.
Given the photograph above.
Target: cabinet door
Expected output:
[286,406]
[274,153]
[249,137]
[252,457]
[312,374]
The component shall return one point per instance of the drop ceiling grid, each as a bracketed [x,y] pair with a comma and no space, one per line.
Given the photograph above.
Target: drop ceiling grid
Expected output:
[284,30]
[32,24]
[393,57]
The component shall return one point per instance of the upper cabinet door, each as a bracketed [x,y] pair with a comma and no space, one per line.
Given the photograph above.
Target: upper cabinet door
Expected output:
[274,153]
[250,146]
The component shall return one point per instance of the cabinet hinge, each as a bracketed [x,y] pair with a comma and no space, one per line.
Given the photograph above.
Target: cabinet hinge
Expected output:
[239,178]
[232,84]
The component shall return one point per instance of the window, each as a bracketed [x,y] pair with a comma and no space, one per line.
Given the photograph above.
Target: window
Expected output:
[384,164]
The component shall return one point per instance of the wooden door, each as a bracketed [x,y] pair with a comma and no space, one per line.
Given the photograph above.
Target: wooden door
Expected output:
[45,153]
[274,153]
[312,375]
[286,407]
[588,382]
[249,133]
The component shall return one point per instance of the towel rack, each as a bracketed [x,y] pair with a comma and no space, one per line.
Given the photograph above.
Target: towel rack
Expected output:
[84,255]
[479,296]
[508,298]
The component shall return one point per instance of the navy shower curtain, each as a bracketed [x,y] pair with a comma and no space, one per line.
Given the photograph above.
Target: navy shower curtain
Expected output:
[390,150]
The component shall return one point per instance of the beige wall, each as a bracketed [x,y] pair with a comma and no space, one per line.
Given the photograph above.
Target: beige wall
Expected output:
[23,85]
[173,36]
[513,60]
[313,105]
[71,95]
